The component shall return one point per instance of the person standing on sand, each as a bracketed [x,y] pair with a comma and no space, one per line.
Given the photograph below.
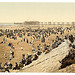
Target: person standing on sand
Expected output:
[27,40]
[16,66]
[5,56]
[21,48]
[21,39]
[10,51]
[43,39]
[10,57]
[1,66]
[23,56]
[4,40]
[24,39]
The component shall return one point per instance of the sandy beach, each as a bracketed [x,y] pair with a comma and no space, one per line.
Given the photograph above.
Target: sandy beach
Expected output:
[27,49]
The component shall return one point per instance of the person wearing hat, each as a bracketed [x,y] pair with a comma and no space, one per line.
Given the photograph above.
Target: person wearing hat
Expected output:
[21,64]
[35,57]
[24,39]
[23,56]
[16,66]
[27,41]
[0,66]
[28,59]
[43,39]
[10,65]
[6,67]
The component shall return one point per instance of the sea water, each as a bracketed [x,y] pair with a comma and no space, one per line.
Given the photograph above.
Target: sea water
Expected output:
[7,24]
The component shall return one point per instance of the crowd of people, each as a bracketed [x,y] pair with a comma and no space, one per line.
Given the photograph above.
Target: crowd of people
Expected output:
[37,35]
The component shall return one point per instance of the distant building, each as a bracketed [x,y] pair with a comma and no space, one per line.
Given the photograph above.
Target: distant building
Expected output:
[31,23]
[18,23]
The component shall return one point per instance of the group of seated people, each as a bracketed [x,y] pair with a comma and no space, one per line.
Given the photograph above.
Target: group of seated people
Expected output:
[25,61]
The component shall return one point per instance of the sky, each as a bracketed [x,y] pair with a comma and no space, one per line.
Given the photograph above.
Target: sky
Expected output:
[11,12]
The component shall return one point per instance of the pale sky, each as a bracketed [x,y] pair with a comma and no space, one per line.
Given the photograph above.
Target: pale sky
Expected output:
[22,11]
